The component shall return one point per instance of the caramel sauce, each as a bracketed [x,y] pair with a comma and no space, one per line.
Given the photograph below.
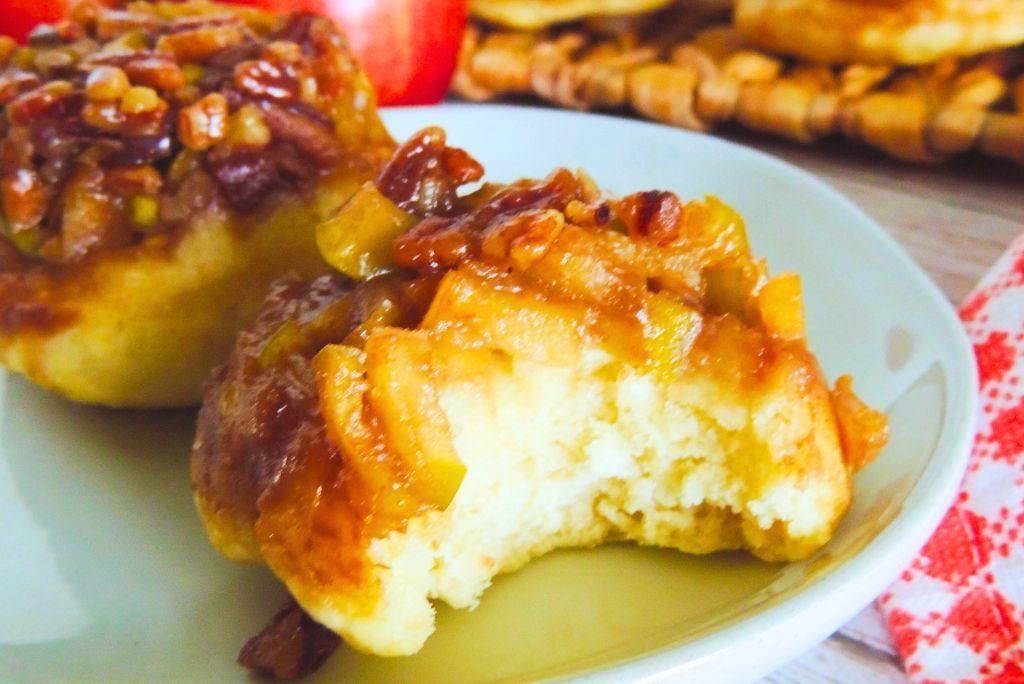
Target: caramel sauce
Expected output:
[262,455]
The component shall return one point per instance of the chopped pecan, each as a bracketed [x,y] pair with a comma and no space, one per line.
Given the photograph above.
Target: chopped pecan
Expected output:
[14,82]
[654,214]
[246,176]
[293,645]
[123,92]
[515,223]
[261,78]
[106,83]
[523,238]
[195,45]
[91,217]
[114,23]
[144,149]
[24,200]
[39,102]
[51,62]
[203,123]
[424,175]
[141,100]
[156,71]
[133,180]
[310,136]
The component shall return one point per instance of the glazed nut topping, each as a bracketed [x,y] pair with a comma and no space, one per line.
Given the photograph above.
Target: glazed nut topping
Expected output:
[247,128]
[116,124]
[200,43]
[265,79]
[202,123]
[7,47]
[141,100]
[157,72]
[106,83]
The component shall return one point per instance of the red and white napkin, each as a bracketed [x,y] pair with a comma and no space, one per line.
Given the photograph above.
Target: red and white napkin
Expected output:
[957,613]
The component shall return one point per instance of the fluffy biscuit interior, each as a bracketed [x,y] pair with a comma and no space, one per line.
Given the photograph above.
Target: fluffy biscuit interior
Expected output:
[565,443]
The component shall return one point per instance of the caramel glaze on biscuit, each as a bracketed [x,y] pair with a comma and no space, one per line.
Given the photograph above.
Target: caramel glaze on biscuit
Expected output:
[160,165]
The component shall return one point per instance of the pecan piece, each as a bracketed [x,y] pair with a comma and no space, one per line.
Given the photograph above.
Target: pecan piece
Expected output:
[195,45]
[15,82]
[203,123]
[24,200]
[293,645]
[424,175]
[39,102]
[112,24]
[654,214]
[261,78]
[133,180]
[308,135]
[245,177]
[156,71]
[106,83]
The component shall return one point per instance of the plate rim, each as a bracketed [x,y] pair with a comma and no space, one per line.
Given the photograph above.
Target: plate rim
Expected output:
[839,595]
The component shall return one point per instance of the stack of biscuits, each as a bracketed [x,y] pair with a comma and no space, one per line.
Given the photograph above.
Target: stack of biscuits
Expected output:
[922,80]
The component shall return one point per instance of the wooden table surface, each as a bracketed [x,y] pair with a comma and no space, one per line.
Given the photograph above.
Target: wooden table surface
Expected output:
[955,220]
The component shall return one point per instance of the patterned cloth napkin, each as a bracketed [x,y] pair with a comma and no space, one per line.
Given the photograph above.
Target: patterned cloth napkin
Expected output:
[957,613]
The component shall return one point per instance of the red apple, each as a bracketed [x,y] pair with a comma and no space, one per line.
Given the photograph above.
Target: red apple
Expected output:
[19,17]
[407,47]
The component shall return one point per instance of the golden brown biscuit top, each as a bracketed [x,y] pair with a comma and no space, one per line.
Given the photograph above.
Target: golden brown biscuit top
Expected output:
[118,124]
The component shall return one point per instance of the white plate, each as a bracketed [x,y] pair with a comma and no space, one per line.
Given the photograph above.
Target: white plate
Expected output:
[105,572]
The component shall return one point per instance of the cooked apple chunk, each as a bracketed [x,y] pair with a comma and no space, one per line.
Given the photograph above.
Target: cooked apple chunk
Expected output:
[557,368]
[160,166]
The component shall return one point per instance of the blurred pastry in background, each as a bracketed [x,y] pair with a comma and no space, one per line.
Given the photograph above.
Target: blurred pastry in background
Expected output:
[535,14]
[689,66]
[881,31]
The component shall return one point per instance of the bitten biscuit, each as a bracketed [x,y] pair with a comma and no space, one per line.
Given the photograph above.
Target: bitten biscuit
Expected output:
[539,366]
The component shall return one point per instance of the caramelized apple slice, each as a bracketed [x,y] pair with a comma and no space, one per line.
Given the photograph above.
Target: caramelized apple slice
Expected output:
[672,329]
[716,227]
[863,431]
[728,288]
[781,305]
[506,319]
[398,369]
[404,438]
[341,387]
[357,239]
